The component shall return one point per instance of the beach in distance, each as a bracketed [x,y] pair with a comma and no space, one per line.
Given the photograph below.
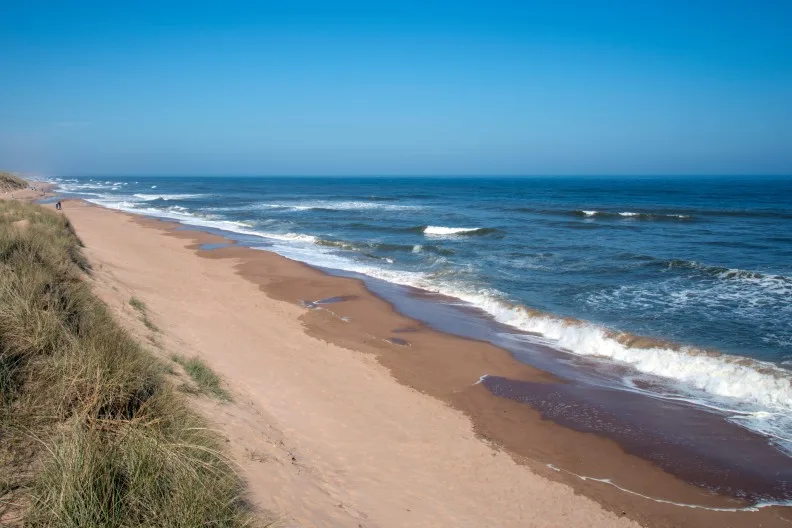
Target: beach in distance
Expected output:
[629,340]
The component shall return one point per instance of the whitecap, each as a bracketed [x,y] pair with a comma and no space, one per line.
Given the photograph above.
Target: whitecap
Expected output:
[166,197]
[332,205]
[441,230]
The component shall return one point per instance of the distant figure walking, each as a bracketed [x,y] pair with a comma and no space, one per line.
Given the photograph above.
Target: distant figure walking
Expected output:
[58,205]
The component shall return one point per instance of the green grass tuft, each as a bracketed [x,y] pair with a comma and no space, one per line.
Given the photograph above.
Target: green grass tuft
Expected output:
[151,326]
[206,379]
[91,433]
[137,304]
[140,306]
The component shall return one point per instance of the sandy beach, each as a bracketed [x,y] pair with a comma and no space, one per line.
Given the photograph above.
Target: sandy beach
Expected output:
[346,413]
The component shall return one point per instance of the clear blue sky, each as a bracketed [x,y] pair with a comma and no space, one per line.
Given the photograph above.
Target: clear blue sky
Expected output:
[491,87]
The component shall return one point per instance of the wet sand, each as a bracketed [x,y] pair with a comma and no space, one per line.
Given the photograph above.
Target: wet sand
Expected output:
[505,411]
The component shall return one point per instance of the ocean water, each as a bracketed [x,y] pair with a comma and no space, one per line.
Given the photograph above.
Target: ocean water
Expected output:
[683,285]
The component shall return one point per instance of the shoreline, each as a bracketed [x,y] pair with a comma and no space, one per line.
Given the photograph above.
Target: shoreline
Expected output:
[445,375]
[749,390]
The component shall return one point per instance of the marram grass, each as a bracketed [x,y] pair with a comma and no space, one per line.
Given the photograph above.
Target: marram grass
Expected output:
[204,377]
[9,182]
[91,434]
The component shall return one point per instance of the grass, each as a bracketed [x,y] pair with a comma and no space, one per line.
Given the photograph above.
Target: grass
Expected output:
[140,306]
[204,377]
[137,304]
[9,182]
[151,326]
[91,432]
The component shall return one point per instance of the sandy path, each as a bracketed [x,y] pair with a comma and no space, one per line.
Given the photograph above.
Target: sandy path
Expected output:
[324,435]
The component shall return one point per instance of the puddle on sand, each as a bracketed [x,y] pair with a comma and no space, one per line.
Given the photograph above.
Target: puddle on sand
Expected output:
[405,329]
[337,299]
[398,341]
[330,300]
[210,247]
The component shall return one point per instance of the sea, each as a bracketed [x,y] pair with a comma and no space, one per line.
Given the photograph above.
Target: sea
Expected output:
[679,289]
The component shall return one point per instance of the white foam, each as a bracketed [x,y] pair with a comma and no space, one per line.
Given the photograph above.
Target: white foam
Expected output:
[632,214]
[166,197]
[79,187]
[180,214]
[609,482]
[332,205]
[440,230]
[745,295]
[728,376]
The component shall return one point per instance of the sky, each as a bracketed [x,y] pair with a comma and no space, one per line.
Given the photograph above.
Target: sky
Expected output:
[636,87]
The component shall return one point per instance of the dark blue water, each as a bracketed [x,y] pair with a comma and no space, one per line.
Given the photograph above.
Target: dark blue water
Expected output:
[590,265]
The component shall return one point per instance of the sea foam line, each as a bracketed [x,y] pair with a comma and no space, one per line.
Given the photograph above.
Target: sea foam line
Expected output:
[631,214]
[233,226]
[753,508]
[727,376]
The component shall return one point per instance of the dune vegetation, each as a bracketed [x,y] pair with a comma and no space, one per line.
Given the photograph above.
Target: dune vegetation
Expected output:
[92,433]
[9,182]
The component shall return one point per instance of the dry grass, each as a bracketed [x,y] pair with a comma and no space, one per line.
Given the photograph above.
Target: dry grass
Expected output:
[9,182]
[91,434]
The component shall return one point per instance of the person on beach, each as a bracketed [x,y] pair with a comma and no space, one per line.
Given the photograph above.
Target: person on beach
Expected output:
[58,205]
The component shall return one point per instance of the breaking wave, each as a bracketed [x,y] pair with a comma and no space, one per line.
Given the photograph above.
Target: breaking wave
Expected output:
[181,214]
[166,197]
[721,272]
[329,206]
[631,214]
[768,282]
[446,231]
[364,246]
[759,394]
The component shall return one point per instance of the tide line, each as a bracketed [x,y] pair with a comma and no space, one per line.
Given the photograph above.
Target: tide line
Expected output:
[609,482]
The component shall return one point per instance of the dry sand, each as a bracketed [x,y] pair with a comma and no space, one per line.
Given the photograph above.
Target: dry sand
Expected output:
[27,195]
[332,425]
